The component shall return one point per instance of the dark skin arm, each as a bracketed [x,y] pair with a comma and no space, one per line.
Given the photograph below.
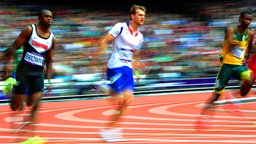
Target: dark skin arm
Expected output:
[8,54]
[49,60]
[229,36]
[250,45]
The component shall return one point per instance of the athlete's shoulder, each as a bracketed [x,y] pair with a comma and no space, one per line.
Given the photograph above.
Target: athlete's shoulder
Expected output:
[28,27]
[26,31]
[229,31]
[117,29]
[231,28]
[120,24]
[52,35]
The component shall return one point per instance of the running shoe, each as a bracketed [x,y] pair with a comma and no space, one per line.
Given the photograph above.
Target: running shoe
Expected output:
[35,140]
[8,84]
[111,135]
[203,122]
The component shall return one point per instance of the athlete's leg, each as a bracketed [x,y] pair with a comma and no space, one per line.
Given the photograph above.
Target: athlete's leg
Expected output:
[121,103]
[16,102]
[203,120]
[127,99]
[35,91]
[222,79]
[209,103]
[34,101]
[121,84]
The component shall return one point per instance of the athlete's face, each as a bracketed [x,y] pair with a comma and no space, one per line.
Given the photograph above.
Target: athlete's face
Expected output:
[139,17]
[246,20]
[46,19]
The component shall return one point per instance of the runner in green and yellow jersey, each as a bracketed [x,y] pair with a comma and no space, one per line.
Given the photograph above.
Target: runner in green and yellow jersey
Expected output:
[238,41]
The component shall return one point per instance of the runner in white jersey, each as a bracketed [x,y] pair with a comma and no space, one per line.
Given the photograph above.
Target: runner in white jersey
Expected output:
[38,47]
[125,43]
[127,40]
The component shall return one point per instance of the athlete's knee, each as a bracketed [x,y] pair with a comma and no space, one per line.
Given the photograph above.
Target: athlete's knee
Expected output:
[16,104]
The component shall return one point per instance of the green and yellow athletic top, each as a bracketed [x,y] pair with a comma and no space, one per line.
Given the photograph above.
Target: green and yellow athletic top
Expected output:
[17,58]
[235,55]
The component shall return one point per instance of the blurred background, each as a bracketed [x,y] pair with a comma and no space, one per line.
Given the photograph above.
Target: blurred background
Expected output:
[182,41]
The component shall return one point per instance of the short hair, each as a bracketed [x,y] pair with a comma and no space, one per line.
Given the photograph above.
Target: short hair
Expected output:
[135,7]
[245,12]
[41,12]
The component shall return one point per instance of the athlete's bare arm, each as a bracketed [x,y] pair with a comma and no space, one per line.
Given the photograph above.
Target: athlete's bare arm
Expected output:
[229,35]
[49,60]
[250,45]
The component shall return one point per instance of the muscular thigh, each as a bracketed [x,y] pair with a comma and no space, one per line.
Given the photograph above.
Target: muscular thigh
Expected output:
[224,74]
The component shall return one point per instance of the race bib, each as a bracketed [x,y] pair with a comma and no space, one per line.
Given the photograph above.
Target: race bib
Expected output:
[34,59]
[236,51]
[125,55]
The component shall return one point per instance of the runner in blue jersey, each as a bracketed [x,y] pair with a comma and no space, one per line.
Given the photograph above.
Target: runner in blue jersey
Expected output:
[127,41]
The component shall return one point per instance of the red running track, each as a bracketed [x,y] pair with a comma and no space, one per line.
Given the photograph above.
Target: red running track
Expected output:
[152,119]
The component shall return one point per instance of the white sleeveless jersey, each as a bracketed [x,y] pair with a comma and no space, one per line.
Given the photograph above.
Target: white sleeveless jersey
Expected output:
[123,45]
[36,47]
[38,43]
